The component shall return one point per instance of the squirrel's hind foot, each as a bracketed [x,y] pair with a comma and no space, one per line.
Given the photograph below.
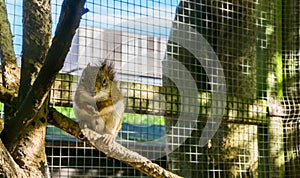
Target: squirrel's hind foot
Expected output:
[108,139]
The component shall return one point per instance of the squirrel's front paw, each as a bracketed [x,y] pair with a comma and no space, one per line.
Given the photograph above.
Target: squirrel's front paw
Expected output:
[91,110]
[108,139]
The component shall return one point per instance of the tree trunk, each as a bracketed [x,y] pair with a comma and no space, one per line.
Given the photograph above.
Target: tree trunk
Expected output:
[29,149]
[230,30]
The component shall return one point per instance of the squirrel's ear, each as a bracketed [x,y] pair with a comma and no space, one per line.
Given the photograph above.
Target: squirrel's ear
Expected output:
[89,65]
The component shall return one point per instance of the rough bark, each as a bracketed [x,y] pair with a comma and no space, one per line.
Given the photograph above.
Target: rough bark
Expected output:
[10,70]
[8,167]
[8,59]
[36,40]
[9,97]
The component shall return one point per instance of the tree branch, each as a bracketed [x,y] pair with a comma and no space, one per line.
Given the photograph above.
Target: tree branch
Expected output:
[10,71]
[37,35]
[65,123]
[71,12]
[113,150]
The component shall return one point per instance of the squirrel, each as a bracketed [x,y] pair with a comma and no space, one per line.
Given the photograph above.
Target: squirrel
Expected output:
[98,102]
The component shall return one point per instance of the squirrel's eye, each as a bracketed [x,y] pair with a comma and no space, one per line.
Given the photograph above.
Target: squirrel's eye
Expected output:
[104,81]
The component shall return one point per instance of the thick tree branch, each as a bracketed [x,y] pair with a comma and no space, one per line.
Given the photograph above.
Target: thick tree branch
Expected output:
[36,41]
[71,12]
[10,71]
[113,150]
[65,123]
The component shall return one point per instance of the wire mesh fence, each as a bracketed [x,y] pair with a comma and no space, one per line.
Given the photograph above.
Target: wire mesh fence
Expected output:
[211,87]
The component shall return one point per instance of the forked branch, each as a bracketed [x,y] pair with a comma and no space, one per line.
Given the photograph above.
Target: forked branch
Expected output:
[70,16]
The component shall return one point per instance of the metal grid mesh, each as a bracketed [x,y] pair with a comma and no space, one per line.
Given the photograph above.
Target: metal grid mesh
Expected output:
[291,85]
[256,46]
[123,33]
